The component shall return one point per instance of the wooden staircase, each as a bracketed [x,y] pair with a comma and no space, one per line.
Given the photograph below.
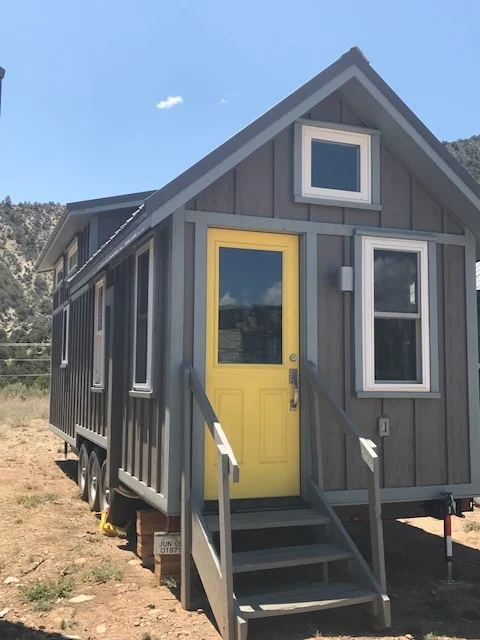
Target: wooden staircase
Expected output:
[255,564]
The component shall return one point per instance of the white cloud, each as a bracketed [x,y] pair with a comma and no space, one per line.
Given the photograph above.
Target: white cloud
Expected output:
[227,300]
[223,101]
[273,295]
[170,102]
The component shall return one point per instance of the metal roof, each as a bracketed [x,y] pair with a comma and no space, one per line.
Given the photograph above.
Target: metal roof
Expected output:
[76,216]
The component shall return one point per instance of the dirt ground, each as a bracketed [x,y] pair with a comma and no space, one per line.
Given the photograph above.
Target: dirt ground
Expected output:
[51,546]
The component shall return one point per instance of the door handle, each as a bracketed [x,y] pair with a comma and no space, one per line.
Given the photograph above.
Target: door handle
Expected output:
[293,379]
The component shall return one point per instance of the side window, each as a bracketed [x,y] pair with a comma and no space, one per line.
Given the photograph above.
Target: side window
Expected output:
[99,335]
[58,275]
[72,257]
[65,334]
[143,320]
[395,315]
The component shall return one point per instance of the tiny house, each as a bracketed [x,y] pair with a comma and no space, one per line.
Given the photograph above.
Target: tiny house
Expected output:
[283,334]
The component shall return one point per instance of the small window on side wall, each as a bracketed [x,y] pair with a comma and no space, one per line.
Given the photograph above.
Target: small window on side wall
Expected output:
[72,257]
[338,165]
[396,349]
[143,320]
[99,335]
[65,334]
[58,274]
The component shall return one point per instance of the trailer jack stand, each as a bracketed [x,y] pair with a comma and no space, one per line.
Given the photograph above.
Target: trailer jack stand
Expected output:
[449,511]
[65,450]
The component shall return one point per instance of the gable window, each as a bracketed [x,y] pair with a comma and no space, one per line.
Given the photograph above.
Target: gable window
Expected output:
[58,274]
[72,257]
[337,163]
[395,315]
[99,335]
[143,321]
[65,334]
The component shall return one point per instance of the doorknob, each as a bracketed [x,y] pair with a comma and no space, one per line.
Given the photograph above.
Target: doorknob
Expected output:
[293,379]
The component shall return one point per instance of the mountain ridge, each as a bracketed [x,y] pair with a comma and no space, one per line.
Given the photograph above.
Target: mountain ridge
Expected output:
[25,296]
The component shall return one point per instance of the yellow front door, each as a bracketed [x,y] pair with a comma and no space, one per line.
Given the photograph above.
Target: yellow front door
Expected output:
[252,359]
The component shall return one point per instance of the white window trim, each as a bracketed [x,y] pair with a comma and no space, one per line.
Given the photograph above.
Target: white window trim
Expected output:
[65,345]
[71,250]
[144,386]
[96,333]
[58,266]
[369,244]
[363,140]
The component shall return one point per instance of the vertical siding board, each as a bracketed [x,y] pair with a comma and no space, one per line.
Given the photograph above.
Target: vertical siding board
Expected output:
[323,213]
[451,225]
[219,196]
[254,183]
[284,205]
[396,193]
[189,292]
[456,367]
[329,110]
[330,350]
[399,446]
[430,414]
[427,213]
[364,411]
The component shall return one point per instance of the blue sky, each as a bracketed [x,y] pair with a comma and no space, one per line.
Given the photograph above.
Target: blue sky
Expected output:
[79,116]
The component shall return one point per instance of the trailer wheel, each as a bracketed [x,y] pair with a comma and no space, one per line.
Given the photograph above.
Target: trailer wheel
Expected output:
[476,502]
[82,473]
[103,490]
[94,473]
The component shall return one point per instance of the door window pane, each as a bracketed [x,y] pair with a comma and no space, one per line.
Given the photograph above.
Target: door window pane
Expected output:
[335,165]
[396,281]
[250,306]
[395,349]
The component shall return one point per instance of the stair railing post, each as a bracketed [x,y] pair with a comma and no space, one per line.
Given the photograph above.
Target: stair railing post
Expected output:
[376,524]
[225,526]
[186,506]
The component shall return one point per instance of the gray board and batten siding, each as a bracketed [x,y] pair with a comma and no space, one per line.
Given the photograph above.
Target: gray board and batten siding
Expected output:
[429,443]
[434,440]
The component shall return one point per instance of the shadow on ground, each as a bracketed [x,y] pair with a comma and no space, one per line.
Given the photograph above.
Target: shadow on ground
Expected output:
[69,468]
[18,631]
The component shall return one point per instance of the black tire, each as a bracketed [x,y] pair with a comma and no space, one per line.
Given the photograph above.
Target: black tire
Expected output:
[103,490]
[94,473]
[82,473]
[476,502]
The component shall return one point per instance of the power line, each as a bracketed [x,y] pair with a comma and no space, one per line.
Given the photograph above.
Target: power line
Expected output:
[25,344]
[24,359]
[22,375]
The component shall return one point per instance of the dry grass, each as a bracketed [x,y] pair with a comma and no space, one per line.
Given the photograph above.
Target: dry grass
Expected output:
[19,411]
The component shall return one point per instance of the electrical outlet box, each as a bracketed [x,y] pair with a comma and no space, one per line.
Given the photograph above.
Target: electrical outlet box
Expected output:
[383,427]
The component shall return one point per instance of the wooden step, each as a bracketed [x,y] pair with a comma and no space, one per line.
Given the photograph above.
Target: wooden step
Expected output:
[279,557]
[270,519]
[301,598]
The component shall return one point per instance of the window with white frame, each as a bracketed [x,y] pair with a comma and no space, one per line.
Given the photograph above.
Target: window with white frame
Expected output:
[336,164]
[99,335]
[143,320]
[58,274]
[65,333]
[72,257]
[395,315]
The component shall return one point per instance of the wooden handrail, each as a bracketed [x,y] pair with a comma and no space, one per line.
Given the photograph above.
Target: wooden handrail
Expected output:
[369,455]
[221,595]
[213,423]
